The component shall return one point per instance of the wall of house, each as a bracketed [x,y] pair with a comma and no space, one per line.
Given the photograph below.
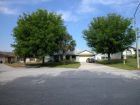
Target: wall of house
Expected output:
[5,59]
[100,57]
[28,60]
[116,56]
[2,59]
[84,55]
[83,58]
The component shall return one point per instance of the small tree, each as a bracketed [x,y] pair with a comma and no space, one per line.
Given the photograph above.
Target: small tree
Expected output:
[38,34]
[67,44]
[109,34]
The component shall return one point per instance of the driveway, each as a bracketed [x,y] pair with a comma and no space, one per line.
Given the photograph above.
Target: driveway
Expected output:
[92,66]
[60,86]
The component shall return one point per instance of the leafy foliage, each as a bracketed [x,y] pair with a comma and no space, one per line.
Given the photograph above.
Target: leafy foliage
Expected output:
[68,44]
[110,34]
[38,34]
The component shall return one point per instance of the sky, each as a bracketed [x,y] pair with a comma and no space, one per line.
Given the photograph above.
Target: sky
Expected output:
[77,15]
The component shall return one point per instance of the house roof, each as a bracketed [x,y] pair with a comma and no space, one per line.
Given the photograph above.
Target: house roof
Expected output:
[7,54]
[75,52]
[86,52]
[133,48]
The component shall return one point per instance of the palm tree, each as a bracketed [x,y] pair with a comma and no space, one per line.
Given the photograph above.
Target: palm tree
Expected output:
[68,44]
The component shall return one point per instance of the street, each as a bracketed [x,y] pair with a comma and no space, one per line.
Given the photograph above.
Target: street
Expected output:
[60,86]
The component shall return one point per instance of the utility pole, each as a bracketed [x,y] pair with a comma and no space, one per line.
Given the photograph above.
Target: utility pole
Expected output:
[137,50]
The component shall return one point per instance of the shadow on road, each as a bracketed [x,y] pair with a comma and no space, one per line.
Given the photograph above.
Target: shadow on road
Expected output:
[71,88]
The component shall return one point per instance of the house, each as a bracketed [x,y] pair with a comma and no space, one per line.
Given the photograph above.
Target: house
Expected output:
[84,55]
[7,57]
[130,51]
[100,56]
[77,56]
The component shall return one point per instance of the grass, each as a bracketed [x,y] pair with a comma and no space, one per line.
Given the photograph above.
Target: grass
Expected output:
[64,65]
[16,64]
[50,64]
[129,65]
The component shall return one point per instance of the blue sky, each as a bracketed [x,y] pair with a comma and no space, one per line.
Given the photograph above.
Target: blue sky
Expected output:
[77,15]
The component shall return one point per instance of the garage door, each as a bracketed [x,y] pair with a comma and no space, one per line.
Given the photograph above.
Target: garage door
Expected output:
[83,59]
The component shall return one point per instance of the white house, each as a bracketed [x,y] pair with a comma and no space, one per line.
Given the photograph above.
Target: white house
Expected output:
[100,56]
[128,52]
[84,55]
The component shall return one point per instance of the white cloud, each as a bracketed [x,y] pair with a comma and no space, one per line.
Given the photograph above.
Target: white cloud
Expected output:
[5,5]
[6,10]
[108,2]
[68,16]
[5,2]
[85,9]
[86,6]
[89,6]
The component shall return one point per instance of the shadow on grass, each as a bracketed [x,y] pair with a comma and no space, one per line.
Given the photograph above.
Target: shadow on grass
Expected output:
[116,61]
[55,64]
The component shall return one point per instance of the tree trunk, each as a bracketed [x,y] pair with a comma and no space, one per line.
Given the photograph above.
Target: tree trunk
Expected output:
[24,59]
[43,60]
[109,58]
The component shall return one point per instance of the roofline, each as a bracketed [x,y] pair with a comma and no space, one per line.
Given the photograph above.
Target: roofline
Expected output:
[83,51]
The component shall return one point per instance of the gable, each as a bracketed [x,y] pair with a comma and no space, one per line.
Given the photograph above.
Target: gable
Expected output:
[85,52]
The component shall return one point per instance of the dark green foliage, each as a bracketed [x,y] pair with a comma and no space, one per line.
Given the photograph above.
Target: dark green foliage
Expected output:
[38,34]
[109,34]
[68,44]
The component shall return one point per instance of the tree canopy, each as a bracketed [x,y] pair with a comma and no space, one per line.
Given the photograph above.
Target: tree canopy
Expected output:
[68,44]
[38,34]
[109,34]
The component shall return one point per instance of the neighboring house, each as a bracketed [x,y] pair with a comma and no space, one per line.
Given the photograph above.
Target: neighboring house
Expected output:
[7,57]
[128,52]
[100,57]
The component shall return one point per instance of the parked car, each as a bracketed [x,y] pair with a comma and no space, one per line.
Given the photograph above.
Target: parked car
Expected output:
[90,60]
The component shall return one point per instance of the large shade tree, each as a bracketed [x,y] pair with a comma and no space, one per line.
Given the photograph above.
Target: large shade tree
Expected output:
[38,34]
[109,34]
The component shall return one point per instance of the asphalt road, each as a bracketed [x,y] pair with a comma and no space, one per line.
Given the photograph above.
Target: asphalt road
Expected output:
[52,86]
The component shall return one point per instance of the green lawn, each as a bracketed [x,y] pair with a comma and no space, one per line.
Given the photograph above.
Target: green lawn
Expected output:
[130,64]
[50,64]
[64,65]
